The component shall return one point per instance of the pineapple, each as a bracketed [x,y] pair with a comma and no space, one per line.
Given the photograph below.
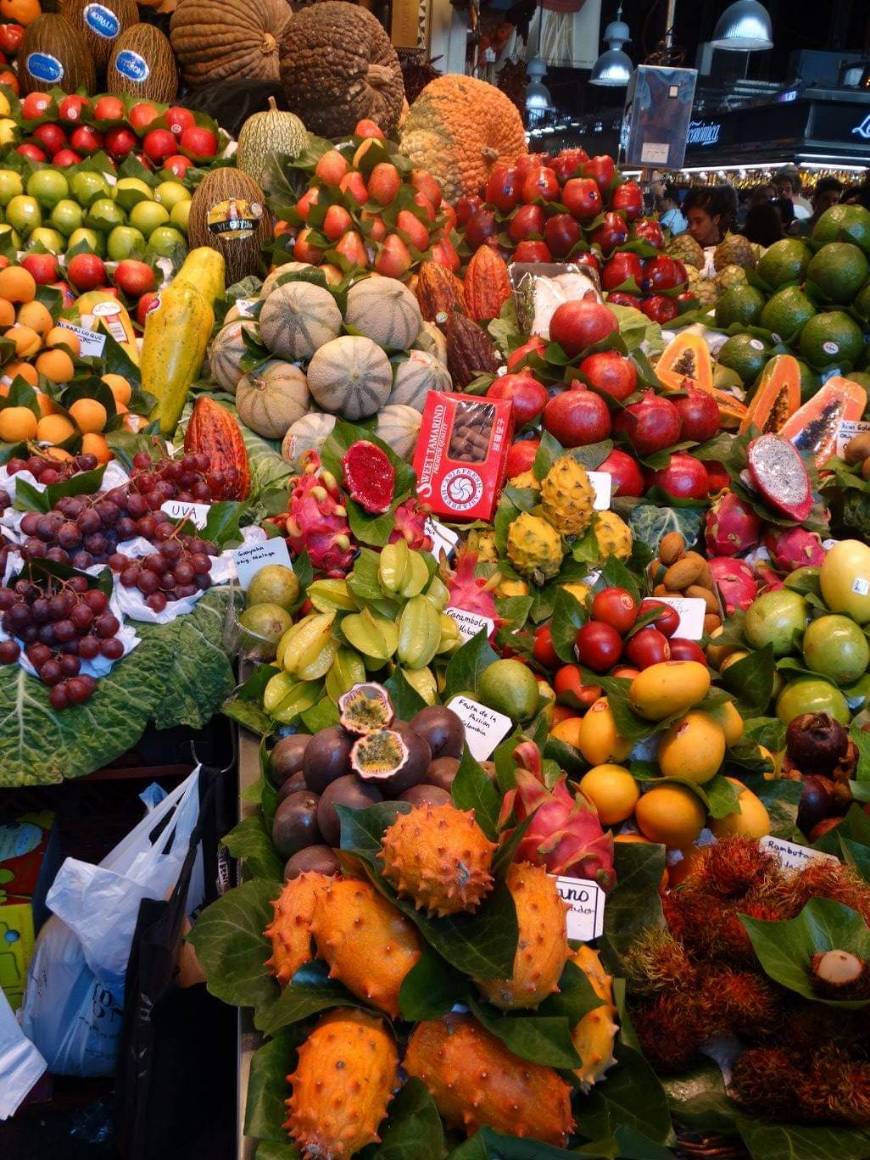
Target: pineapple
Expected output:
[735,250]
[686,250]
[567,496]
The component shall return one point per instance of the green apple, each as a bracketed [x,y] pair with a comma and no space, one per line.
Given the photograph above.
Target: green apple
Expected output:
[24,214]
[91,239]
[8,237]
[104,214]
[180,215]
[87,187]
[165,240]
[170,193]
[147,216]
[67,216]
[51,240]
[48,186]
[130,191]
[125,242]
[11,185]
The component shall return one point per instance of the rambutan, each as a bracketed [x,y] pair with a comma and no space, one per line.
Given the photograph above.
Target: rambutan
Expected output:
[836,1089]
[657,961]
[740,1002]
[669,1029]
[806,1025]
[822,878]
[839,974]
[763,1082]
[707,927]
[731,867]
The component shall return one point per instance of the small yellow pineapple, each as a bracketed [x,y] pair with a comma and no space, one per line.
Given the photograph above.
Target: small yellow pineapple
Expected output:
[567,496]
[613,535]
[534,547]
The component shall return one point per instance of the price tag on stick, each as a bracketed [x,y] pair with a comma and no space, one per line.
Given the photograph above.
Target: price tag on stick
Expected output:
[585,915]
[250,559]
[484,727]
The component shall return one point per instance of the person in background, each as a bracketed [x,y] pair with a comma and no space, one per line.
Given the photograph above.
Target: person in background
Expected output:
[668,206]
[828,192]
[708,211]
[857,194]
[784,206]
[788,185]
[763,225]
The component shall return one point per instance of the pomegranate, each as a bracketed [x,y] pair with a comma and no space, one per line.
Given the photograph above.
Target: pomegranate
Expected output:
[650,425]
[685,477]
[717,477]
[610,372]
[580,324]
[625,472]
[529,397]
[699,416]
[535,345]
[577,418]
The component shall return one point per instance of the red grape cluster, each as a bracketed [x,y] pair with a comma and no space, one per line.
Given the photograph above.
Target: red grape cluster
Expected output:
[178,568]
[60,623]
[46,470]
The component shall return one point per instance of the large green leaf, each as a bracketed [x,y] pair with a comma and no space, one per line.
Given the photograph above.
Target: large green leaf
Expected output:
[489,1145]
[544,1039]
[467,664]
[632,1096]
[751,680]
[310,991]
[473,790]
[412,1130]
[430,988]
[267,1087]
[252,842]
[697,1099]
[634,903]
[798,1142]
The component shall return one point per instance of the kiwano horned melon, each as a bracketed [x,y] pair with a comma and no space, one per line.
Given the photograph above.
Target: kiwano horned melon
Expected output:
[594,1035]
[477,1083]
[542,949]
[440,857]
[369,945]
[290,929]
[345,1075]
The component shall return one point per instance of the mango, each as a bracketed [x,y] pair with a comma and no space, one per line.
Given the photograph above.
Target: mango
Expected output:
[727,716]
[670,814]
[692,749]
[751,819]
[598,739]
[669,687]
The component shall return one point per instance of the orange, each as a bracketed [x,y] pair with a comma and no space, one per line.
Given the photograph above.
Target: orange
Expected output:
[36,316]
[17,284]
[62,336]
[27,341]
[89,414]
[47,405]
[568,731]
[93,444]
[54,429]
[119,387]
[22,11]
[17,424]
[22,370]
[7,312]
[58,453]
[56,365]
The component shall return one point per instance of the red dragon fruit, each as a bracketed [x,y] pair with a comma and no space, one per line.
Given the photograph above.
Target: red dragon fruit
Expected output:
[732,526]
[565,835]
[736,582]
[317,521]
[469,592]
[409,524]
[769,580]
[792,548]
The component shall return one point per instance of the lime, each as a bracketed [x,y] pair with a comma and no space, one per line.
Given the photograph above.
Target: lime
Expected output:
[741,304]
[509,687]
[745,355]
[11,185]
[784,262]
[165,240]
[843,223]
[24,214]
[87,187]
[787,312]
[832,339]
[89,238]
[724,378]
[125,242]
[51,240]
[862,378]
[180,215]
[811,695]
[105,214]
[838,269]
[861,305]
[67,216]
[148,216]
[170,193]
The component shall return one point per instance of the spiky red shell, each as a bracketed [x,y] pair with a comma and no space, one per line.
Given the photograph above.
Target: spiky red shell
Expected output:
[345,1075]
[290,929]
[476,1082]
[542,947]
[369,944]
[440,857]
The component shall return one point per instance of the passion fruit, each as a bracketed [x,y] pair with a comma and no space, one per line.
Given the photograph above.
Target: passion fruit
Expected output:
[313,859]
[261,627]
[365,708]
[294,783]
[286,757]
[326,757]
[442,728]
[295,824]
[442,772]
[348,791]
[421,795]
[395,759]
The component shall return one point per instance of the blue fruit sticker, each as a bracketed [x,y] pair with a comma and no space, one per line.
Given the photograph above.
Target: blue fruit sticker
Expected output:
[42,66]
[132,66]
[102,21]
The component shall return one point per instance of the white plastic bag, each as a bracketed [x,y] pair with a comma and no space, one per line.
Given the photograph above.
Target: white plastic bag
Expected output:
[74,1000]
[21,1065]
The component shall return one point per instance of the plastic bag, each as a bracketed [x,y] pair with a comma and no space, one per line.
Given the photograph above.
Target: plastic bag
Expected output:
[21,1065]
[73,1004]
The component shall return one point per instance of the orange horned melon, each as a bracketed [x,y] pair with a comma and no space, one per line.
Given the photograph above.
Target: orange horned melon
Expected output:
[290,929]
[594,1034]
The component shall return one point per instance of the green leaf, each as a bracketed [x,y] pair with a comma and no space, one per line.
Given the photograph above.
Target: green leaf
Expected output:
[539,1038]
[614,574]
[781,798]
[406,700]
[430,988]
[229,943]
[412,1130]
[265,1110]
[466,665]
[798,1142]
[310,991]
[273,1150]
[633,1097]
[785,948]
[222,524]
[489,1145]
[857,855]
[697,1099]
[568,616]
[634,903]
[721,796]
[751,681]
[251,841]
[320,716]
[766,731]
[473,790]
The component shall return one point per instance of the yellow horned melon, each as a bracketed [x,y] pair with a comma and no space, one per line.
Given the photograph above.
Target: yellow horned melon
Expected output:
[594,1034]
[290,929]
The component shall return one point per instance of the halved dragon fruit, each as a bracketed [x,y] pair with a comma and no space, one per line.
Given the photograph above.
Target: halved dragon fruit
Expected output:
[369,477]
[779,475]
[736,582]
[732,526]
[409,524]
[792,548]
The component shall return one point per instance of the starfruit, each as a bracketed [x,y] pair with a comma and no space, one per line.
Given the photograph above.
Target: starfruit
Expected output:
[285,698]
[423,682]
[402,572]
[438,592]
[332,595]
[419,633]
[347,670]
[308,648]
[450,636]
[373,636]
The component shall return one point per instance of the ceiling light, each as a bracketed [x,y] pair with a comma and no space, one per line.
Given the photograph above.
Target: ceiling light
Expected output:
[743,27]
[613,67]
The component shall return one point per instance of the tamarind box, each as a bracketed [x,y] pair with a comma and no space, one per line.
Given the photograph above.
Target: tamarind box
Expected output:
[461,454]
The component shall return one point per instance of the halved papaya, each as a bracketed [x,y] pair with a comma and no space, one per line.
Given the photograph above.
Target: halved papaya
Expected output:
[686,357]
[813,427]
[732,412]
[777,396]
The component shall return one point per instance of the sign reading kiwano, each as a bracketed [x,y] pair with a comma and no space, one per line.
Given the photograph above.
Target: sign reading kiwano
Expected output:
[132,66]
[102,21]
[42,66]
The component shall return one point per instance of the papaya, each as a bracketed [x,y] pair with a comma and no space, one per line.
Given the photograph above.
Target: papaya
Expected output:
[777,396]
[685,357]
[204,268]
[100,310]
[813,428]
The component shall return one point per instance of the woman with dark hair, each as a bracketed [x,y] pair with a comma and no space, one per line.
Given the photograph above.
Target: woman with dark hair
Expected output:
[710,210]
[784,206]
[763,224]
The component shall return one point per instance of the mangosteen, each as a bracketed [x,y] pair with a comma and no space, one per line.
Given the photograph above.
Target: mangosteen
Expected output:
[817,801]
[442,771]
[294,783]
[313,859]
[326,757]
[348,791]
[286,758]
[815,742]
[295,824]
[442,729]
[425,794]
[393,759]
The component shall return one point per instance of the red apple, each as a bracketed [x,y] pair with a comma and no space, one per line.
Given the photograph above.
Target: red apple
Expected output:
[336,223]
[178,165]
[589,260]
[568,162]
[375,228]
[86,272]
[627,199]
[618,298]
[582,198]
[64,158]
[141,115]
[306,201]
[625,472]
[35,105]
[394,258]
[466,207]
[685,477]
[535,345]
[580,324]
[528,251]
[145,305]
[528,163]
[200,143]
[72,107]
[384,184]
[540,184]
[621,268]
[527,222]
[601,169]
[158,145]
[178,119]
[610,372]
[503,187]
[43,267]
[480,227]
[521,456]
[651,425]
[67,296]
[50,136]
[577,418]
[529,397]
[611,234]
[662,273]
[31,151]
[109,109]
[424,204]
[119,141]
[86,139]
[561,233]
[368,128]
[11,36]
[648,230]
[134,278]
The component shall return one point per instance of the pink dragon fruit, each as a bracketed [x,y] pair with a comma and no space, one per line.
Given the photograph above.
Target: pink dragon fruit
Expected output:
[732,526]
[317,521]
[565,835]
[467,591]
[409,524]
[736,582]
[769,580]
[792,548]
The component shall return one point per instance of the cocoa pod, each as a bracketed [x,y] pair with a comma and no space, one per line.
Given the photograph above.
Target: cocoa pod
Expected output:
[214,432]
[469,351]
[487,284]
[439,292]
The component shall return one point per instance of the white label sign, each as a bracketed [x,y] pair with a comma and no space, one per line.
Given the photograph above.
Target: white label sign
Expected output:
[91,344]
[197,513]
[692,611]
[602,484]
[585,916]
[790,855]
[860,586]
[251,559]
[469,623]
[847,431]
[655,153]
[484,728]
[246,306]
[444,539]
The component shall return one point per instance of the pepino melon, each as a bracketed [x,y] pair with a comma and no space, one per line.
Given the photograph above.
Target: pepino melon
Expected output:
[272,398]
[416,376]
[350,376]
[227,350]
[298,318]
[384,310]
[54,53]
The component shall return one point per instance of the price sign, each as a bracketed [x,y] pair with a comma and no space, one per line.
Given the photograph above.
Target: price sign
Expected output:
[250,559]
[484,728]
